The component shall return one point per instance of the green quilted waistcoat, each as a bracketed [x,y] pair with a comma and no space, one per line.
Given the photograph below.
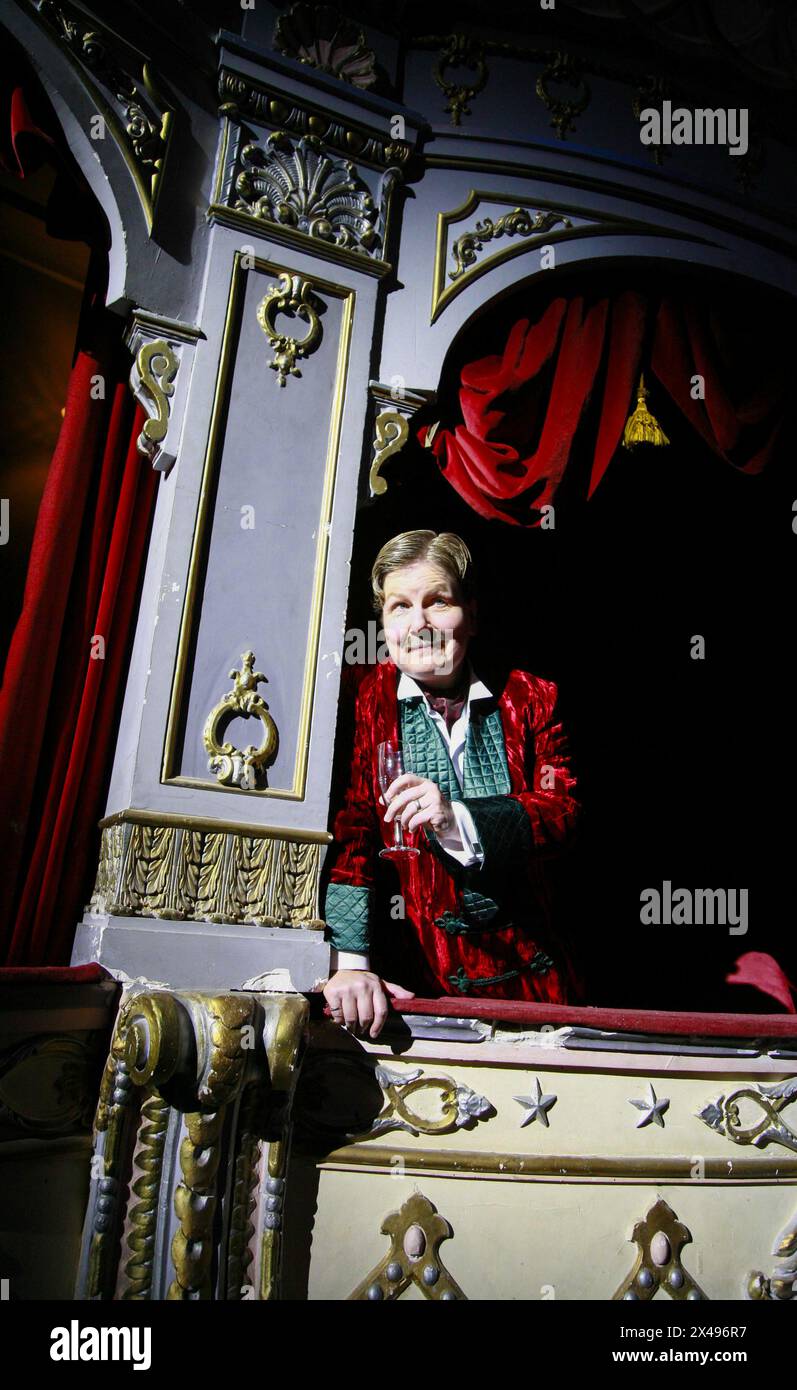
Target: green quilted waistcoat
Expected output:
[503,828]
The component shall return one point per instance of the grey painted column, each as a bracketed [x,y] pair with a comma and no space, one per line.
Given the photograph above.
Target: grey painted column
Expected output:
[217,816]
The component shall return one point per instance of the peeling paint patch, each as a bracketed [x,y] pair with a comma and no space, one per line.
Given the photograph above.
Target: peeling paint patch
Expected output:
[277,981]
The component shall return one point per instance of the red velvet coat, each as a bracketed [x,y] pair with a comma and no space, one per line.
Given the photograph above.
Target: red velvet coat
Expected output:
[416,952]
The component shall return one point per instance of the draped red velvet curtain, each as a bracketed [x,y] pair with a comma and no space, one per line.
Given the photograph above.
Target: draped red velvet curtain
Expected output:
[522,407]
[63,678]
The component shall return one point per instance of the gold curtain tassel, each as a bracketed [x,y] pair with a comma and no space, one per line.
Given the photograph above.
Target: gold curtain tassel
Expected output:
[641,427]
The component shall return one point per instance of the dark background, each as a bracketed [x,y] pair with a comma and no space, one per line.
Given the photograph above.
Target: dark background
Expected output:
[686,769]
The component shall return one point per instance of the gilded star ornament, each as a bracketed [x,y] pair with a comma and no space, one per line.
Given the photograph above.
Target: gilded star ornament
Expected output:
[537,1106]
[653,1109]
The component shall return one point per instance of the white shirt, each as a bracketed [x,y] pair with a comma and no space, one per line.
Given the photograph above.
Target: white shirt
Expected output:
[463,842]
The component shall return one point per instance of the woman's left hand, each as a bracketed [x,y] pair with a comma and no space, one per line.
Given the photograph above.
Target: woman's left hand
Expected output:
[418,802]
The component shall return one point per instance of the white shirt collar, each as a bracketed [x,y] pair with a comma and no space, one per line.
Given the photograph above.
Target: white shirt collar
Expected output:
[407,687]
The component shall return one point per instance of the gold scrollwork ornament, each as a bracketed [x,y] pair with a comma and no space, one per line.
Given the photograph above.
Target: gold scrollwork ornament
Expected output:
[460,51]
[392,432]
[765,1127]
[519,222]
[292,293]
[153,375]
[231,765]
[565,70]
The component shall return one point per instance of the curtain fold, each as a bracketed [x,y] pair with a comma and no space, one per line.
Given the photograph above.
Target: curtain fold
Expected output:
[744,404]
[573,373]
[64,672]
[62,684]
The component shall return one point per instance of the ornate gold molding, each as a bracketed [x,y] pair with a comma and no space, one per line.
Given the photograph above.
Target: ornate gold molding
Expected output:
[111,1126]
[530,1167]
[296,790]
[132,816]
[722,1115]
[458,51]
[152,381]
[781,1285]
[192,1057]
[567,70]
[284,1038]
[195,1206]
[395,405]
[292,293]
[416,1233]
[233,766]
[659,1238]
[322,37]
[136,1277]
[297,184]
[243,96]
[207,875]
[305,195]
[122,86]
[392,433]
[341,1093]
[244,1201]
[546,225]
[518,222]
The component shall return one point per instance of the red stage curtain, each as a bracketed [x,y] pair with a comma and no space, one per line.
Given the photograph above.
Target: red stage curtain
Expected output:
[745,383]
[59,704]
[521,409]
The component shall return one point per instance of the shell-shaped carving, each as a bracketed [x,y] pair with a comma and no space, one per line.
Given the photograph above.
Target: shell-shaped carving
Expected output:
[297,184]
[322,37]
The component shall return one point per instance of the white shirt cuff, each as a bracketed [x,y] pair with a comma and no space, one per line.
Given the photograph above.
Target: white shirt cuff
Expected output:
[347,960]
[463,844]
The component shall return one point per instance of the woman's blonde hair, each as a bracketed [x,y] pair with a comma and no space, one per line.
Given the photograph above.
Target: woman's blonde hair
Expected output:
[447,551]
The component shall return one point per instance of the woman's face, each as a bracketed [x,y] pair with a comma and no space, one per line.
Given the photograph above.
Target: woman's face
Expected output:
[427,625]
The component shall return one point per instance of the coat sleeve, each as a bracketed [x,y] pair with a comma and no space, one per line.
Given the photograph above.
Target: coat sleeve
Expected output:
[350,891]
[540,817]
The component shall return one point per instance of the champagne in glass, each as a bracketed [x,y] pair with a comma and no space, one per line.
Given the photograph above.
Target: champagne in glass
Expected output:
[391,766]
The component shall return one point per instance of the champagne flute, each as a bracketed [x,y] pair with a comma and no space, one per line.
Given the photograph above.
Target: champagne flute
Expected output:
[391,766]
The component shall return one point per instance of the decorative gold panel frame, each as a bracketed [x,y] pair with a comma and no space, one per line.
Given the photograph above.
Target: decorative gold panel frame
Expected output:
[593,224]
[296,791]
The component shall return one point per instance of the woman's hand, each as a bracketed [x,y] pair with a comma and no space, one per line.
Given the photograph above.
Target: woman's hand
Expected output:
[418,802]
[357,999]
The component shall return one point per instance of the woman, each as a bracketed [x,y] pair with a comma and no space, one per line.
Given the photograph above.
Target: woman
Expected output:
[485,795]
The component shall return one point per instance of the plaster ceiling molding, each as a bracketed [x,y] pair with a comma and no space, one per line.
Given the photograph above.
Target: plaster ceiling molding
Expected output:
[322,37]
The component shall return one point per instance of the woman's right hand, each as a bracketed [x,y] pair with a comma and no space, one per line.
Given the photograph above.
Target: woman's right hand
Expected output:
[358,999]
